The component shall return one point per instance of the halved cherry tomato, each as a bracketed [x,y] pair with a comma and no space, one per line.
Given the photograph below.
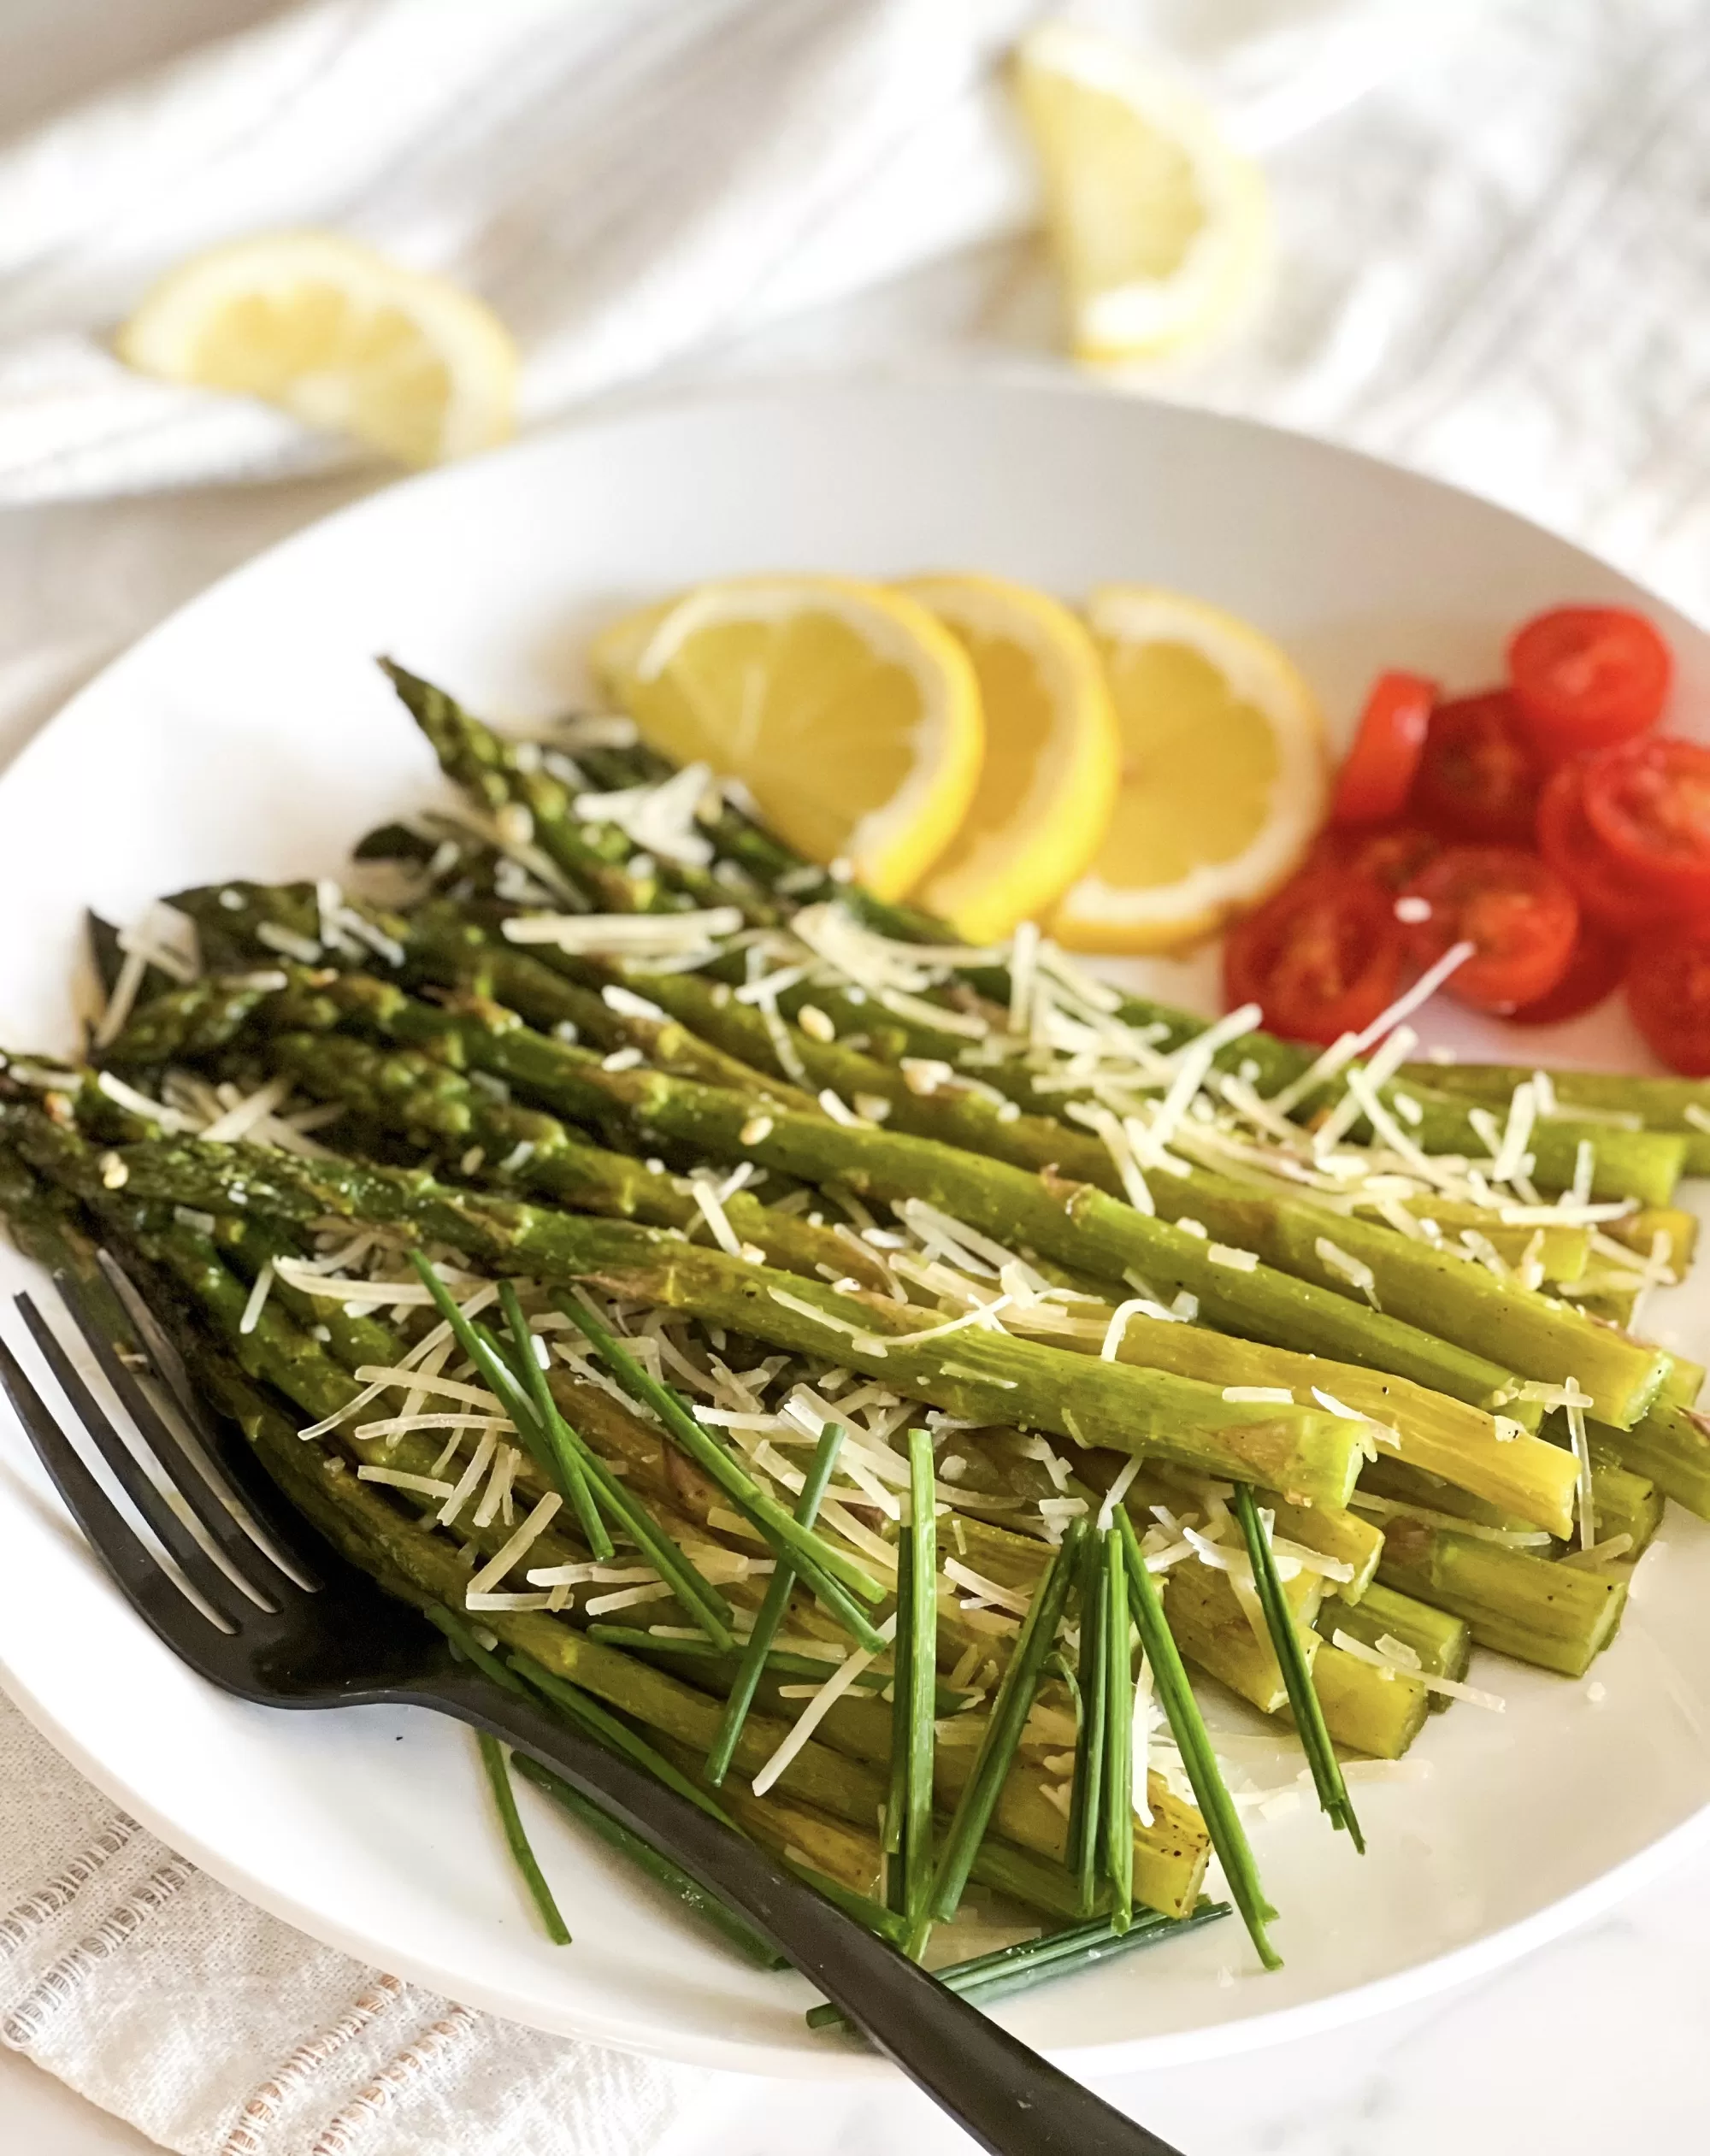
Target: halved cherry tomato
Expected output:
[1377,772]
[1479,778]
[1392,855]
[1649,803]
[1593,972]
[1668,991]
[1520,914]
[1608,893]
[1322,958]
[1585,676]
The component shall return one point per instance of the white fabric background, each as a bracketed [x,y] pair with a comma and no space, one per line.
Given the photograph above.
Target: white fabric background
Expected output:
[1492,264]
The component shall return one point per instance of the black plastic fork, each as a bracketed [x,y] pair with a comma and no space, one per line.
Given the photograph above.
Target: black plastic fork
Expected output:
[342,1642]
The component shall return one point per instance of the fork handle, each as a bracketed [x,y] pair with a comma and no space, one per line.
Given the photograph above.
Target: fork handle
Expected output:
[1009,2099]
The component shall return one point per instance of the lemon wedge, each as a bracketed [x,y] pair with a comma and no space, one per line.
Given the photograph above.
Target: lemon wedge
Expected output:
[339,336]
[1049,779]
[851,714]
[1223,777]
[1160,226]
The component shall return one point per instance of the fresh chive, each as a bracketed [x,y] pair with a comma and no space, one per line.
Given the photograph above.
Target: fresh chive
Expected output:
[835,1578]
[1181,1711]
[652,1861]
[676,1881]
[599,1722]
[698,1597]
[572,1477]
[1118,1777]
[893,1824]
[915,1665]
[1004,1727]
[988,1977]
[771,1611]
[1297,1675]
[1085,1800]
[872,1916]
[516,1838]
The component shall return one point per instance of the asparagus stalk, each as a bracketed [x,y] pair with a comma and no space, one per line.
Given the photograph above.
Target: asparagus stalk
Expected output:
[488,768]
[1075,1224]
[1671,1446]
[1212,1629]
[522,1148]
[1306,1452]
[1444,1437]
[1556,1615]
[478,759]
[1625,1170]
[1678,1105]
[1448,1295]
[1442,1642]
[735,1125]
[1623,1502]
[1365,1708]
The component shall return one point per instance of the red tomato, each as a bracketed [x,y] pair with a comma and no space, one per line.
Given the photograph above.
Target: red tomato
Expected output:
[1479,778]
[1322,958]
[1594,971]
[1668,991]
[1392,855]
[1585,676]
[1377,772]
[1518,912]
[1649,803]
[1607,893]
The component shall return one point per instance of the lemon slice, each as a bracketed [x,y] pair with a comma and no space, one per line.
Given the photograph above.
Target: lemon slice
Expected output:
[339,336]
[1224,774]
[851,714]
[1049,777]
[1161,228]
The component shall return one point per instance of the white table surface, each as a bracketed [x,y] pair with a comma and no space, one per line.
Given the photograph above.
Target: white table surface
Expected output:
[1591,2047]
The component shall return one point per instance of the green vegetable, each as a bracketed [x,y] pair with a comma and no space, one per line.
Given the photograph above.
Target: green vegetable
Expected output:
[689,1892]
[517,1839]
[1297,1675]
[758,1653]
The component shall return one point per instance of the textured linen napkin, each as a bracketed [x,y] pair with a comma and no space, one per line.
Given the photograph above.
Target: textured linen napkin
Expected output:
[1492,265]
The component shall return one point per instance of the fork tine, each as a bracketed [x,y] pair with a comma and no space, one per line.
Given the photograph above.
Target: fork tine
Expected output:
[191,1481]
[126,1558]
[132,1478]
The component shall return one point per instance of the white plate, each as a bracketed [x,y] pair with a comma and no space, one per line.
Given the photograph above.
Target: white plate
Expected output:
[251,734]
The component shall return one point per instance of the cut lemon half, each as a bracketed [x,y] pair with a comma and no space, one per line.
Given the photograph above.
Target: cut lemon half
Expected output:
[339,336]
[1160,226]
[851,714]
[1223,776]
[1049,778]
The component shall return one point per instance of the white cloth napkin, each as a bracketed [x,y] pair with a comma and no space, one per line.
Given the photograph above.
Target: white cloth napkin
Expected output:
[1492,265]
